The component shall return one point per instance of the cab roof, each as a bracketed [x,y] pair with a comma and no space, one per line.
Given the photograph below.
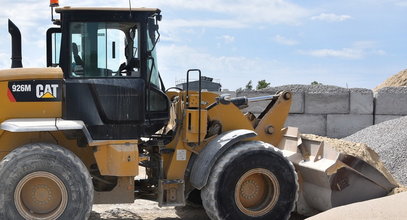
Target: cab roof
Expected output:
[68,8]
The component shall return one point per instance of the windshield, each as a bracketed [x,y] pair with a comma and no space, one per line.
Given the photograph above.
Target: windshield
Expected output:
[152,60]
[104,49]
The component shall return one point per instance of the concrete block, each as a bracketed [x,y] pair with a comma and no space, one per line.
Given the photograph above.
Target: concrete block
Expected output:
[297,105]
[391,101]
[308,124]
[343,125]
[255,107]
[381,118]
[327,103]
[361,101]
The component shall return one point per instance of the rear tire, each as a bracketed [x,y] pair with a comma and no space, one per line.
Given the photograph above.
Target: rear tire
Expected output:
[253,180]
[44,181]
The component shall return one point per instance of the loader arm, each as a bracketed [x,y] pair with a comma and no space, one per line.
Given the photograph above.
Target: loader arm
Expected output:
[271,121]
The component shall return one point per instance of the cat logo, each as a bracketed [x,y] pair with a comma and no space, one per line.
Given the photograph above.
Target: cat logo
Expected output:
[47,91]
[35,90]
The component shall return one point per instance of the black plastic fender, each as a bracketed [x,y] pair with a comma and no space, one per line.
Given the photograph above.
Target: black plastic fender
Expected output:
[212,152]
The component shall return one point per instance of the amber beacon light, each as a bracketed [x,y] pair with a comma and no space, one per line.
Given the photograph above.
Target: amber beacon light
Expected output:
[54,3]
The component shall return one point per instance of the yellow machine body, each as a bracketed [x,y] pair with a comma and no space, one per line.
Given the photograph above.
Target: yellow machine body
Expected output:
[121,158]
[117,158]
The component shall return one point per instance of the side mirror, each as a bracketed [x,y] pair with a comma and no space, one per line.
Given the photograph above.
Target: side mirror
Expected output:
[53,46]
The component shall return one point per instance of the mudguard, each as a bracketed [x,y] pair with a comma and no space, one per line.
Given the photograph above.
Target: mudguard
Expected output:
[213,150]
[44,124]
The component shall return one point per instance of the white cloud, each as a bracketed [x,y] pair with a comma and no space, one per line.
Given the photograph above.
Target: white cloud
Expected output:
[379,52]
[347,53]
[235,14]
[5,61]
[365,44]
[257,11]
[401,3]
[285,41]
[330,17]
[211,23]
[227,39]
[359,50]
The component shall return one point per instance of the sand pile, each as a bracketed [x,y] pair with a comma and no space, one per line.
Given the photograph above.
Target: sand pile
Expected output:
[400,79]
[386,208]
[389,140]
[359,150]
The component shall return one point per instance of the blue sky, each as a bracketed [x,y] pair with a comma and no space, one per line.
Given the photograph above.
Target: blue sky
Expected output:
[354,43]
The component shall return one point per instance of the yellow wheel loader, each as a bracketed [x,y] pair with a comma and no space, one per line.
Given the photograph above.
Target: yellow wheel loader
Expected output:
[78,133]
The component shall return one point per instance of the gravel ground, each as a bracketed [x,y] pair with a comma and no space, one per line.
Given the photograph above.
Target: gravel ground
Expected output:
[146,210]
[389,140]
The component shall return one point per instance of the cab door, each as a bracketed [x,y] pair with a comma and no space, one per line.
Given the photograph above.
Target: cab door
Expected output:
[103,85]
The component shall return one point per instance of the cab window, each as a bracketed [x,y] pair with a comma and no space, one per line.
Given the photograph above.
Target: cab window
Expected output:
[100,49]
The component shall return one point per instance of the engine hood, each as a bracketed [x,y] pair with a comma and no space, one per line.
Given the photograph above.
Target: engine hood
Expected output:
[30,73]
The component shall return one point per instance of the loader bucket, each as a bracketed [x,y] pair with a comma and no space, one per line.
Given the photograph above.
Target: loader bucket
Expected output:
[330,175]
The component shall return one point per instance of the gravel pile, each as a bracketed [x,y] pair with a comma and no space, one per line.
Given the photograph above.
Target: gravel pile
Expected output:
[307,88]
[389,140]
[292,88]
[298,88]
[361,90]
[394,90]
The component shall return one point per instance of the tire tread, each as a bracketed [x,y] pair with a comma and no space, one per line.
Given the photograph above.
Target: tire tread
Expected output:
[60,153]
[208,193]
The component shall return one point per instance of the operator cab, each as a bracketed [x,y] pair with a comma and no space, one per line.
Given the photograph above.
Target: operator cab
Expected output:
[109,61]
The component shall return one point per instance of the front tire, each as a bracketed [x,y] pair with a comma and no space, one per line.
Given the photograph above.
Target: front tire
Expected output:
[252,180]
[44,181]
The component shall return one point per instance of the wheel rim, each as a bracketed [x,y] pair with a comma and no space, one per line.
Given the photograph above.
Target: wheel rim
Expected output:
[40,195]
[257,192]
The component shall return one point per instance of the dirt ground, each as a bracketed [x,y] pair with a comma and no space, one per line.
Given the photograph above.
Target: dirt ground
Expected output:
[149,210]
[146,210]
[386,208]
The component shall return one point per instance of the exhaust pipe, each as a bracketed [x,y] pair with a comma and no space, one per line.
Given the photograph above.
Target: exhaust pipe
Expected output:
[16,59]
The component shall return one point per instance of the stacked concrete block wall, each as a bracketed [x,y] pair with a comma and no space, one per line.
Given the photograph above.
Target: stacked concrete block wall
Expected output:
[390,103]
[334,111]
